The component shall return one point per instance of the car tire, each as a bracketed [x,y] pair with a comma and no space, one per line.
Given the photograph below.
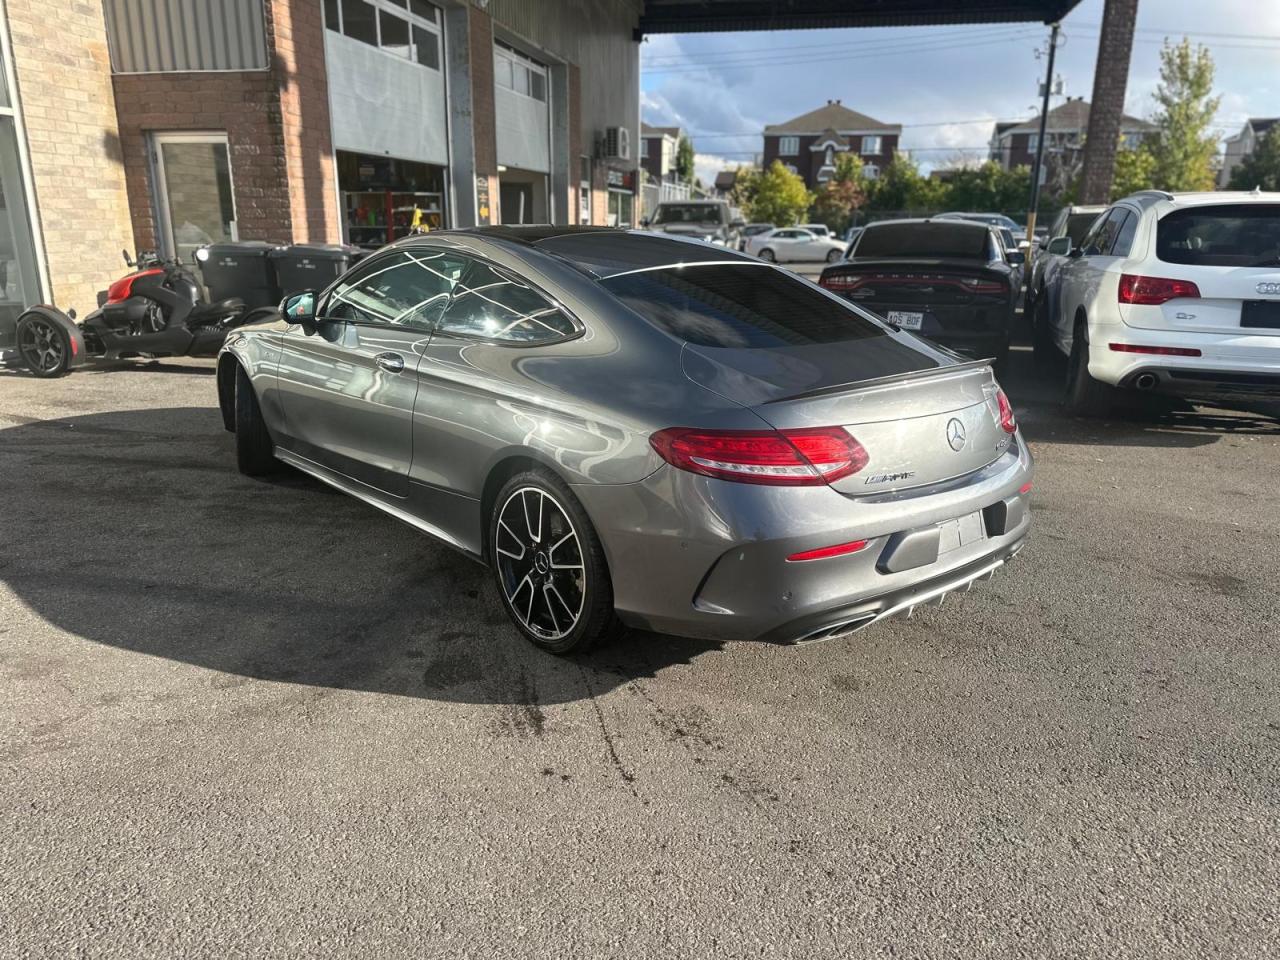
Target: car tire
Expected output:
[44,346]
[1042,347]
[557,590]
[1085,397]
[833,256]
[767,256]
[254,449]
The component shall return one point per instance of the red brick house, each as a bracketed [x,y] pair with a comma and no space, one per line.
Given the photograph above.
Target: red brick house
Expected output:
[1013,143]
[811,143]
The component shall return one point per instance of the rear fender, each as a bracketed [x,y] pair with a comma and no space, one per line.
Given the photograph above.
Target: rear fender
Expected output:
[79,355]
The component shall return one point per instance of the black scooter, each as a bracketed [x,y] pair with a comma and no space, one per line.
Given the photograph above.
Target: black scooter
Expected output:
[156,311]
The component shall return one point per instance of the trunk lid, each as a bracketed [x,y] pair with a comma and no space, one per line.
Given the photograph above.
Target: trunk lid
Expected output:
[921,423]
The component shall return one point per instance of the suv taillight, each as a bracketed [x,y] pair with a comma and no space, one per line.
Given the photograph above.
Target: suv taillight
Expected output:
[795,458]
[1153,291]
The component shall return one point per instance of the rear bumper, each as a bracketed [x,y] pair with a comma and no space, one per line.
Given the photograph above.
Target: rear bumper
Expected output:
[1231,364]
[976,330]
[695,556]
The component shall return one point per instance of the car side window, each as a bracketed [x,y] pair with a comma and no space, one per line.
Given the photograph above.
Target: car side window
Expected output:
[494,306]
[1124,236]
[408,288]
[1103,233]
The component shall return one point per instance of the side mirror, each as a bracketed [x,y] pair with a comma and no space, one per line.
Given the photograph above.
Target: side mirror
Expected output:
[300,308]
[1016,257]
[1060,246]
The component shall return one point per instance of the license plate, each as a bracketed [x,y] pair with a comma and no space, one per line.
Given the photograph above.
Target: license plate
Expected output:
[1260,313]
[906,319]
[960,532]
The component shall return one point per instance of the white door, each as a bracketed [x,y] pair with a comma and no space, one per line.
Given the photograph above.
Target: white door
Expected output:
[194,194]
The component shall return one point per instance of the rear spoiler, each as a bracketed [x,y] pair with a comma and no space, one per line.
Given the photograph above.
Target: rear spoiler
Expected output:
[907,377]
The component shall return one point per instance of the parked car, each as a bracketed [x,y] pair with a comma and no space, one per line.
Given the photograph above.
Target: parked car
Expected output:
[628,427]
[710,220]
[817,229]
[794,245]
[948,280]
[1073,222]
[750,230]
[998,220]
[850,237]
[1177,293]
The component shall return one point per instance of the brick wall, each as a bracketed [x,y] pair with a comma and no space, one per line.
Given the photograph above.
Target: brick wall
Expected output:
[277,127]
[64,76]
[304,108]
[1110,77]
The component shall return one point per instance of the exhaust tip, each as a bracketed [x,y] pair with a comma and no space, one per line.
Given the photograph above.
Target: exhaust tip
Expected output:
[1146,381]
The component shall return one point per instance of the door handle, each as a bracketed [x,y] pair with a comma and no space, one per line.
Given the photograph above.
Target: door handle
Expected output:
[390,362]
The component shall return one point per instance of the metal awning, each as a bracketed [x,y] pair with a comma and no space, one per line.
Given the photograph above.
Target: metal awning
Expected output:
[703,16]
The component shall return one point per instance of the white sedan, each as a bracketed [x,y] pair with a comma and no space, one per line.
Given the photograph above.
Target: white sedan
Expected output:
[792,244]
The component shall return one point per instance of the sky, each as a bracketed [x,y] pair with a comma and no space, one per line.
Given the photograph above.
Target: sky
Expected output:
[945,85]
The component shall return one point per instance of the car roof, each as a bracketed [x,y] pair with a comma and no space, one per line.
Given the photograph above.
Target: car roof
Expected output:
[603,251]
[951,222]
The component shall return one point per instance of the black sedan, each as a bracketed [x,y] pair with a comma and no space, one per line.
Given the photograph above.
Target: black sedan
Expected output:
[948,280]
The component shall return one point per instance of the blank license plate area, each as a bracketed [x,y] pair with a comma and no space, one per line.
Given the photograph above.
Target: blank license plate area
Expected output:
[960,532]
[906,319]
[1260,313]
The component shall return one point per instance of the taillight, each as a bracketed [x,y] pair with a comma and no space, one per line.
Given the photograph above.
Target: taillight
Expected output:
[978,285]
[1153,291]
[122,289]
[839,283]
[808,457]
[1007,422]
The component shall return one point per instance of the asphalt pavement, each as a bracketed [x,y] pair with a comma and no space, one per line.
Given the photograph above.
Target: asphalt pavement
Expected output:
[254,719]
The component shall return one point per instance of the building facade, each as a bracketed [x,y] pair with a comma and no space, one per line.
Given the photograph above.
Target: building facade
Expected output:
[659,147]
[168,124]
[811,143]
[1014,143]
[1236,148]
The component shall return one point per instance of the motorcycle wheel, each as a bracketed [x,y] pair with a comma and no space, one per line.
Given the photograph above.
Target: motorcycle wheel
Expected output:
[43,346]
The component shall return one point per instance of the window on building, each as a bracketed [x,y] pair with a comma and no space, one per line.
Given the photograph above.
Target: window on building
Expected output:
[788,146]
[870,171]
[405,28]
[514,71]
[1033,142]
[644,148]
[1131,141]
[493,306]
[870,145]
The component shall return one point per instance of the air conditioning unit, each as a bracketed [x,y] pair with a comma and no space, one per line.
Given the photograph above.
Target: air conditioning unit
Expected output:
[617,143]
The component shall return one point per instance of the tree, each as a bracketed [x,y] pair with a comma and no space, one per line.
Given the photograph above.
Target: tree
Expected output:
[781,197]
[901,188]
[745,182]
[1184,145]
[684,159]
[840,198]
[989,187]
[1135,170]
[1260,168]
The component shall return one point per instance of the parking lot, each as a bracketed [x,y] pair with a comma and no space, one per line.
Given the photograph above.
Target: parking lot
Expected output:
[250,718]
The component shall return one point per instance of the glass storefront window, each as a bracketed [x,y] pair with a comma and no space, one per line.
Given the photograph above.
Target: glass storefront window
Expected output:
[621,208]
[197,203]
[19,281]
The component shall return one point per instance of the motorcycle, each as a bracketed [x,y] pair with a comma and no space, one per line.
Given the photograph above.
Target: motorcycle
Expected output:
[158,310]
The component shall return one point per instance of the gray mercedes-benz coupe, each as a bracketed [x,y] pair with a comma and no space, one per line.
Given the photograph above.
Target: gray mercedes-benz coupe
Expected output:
[637,429]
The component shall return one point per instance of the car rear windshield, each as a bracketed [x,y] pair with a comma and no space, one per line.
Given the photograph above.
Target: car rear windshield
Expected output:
[744,305]
[687,213]
[1222,235]
[966,241]
[1078,225]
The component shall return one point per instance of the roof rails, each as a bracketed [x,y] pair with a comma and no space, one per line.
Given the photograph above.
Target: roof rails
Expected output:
[1149,196]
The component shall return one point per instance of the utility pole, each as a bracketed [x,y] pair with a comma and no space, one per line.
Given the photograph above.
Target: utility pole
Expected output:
[1039,161]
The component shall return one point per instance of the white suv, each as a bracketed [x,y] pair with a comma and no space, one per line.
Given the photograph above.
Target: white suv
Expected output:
[1172,292]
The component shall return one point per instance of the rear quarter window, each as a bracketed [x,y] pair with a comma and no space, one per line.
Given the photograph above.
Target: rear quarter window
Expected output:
[739,306]
[1222,235]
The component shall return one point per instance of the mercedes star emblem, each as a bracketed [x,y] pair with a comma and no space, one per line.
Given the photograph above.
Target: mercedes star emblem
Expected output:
[955,434]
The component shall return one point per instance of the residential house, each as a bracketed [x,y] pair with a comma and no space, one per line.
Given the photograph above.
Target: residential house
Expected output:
[658,148]
[1243,144]
[811,143]
[1014,143]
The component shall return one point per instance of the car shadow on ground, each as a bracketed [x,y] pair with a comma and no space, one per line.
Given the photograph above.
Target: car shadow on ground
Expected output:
[1137,420]
[133,529]
[173,365]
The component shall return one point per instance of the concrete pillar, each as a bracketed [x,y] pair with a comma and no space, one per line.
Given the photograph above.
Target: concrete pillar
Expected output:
[1110,77]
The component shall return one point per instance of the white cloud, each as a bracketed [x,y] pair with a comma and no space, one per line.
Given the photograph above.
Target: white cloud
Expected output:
[707,165]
